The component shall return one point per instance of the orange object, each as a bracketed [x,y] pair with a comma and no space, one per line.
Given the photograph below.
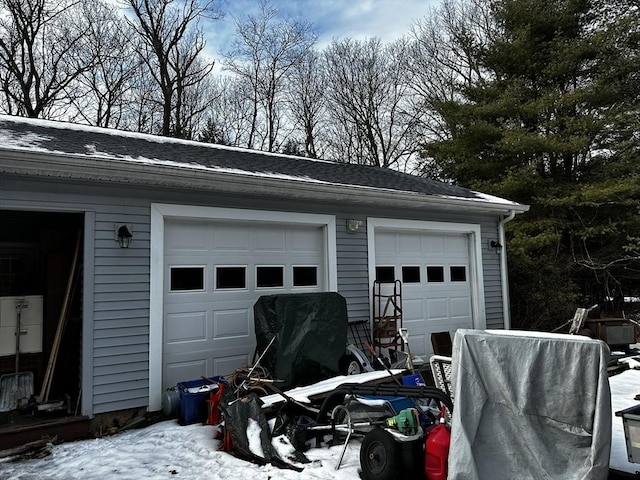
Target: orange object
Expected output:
[213,412]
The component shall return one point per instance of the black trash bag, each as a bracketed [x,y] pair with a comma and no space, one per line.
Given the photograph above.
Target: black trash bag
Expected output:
[293,425]
[238,415]
[296,437]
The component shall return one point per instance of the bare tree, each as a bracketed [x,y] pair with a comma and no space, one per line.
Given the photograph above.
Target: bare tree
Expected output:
[264,53]
[42,52]
[441,57]
[230,115]
[171,50]
[306,101]
[367,103]
[107,89]
[197,95]
[147,112]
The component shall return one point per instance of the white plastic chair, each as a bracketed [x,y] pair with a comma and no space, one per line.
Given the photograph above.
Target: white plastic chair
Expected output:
[441,371]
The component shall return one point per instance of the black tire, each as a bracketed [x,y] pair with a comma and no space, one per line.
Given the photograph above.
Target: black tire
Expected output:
[380,456]
[349,365]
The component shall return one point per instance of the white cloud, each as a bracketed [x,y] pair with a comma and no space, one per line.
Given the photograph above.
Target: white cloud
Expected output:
[358,19]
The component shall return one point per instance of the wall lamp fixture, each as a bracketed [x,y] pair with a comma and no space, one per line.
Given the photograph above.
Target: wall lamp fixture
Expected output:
[497,246]
[123,236]
[354,225]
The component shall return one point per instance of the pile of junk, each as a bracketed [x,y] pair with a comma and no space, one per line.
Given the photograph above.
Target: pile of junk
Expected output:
[528,405]
[295,390]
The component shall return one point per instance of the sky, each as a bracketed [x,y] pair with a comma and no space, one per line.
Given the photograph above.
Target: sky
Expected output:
[357,19]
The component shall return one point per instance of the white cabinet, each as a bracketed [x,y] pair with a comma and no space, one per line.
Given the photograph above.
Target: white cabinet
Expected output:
[30,324]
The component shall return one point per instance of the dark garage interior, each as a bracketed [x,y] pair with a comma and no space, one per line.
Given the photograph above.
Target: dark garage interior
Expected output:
[37,253]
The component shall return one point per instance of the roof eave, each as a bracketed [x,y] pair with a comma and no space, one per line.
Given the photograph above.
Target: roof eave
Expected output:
[82,167]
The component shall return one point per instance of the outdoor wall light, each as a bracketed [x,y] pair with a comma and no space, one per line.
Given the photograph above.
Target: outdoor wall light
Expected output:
[353,225]
[123,236]
[497,246]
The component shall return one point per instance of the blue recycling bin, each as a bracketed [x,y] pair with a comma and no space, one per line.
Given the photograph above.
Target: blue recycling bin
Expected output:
[193,407]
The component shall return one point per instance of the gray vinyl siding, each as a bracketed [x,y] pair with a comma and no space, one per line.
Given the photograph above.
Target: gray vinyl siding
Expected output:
[117,281]
[353,278]
[121,308]
[491,275]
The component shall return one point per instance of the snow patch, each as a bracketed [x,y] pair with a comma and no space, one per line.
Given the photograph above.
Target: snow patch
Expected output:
[253,436]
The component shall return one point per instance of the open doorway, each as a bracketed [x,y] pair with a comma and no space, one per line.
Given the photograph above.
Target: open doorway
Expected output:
[37,252]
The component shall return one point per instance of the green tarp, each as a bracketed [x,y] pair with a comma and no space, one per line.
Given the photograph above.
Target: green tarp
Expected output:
[311,336]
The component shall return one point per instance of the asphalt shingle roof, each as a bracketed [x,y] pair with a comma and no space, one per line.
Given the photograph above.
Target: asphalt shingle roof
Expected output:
[23,134]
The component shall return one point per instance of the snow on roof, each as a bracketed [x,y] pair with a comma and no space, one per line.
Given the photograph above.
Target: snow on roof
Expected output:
[36,136]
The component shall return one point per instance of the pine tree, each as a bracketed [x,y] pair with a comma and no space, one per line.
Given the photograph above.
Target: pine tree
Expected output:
[552,123]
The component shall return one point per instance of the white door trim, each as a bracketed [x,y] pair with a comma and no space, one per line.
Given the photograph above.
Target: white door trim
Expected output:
[475,254]
[160,212]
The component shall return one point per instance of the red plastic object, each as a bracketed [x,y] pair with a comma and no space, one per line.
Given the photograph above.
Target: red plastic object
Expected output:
[213,402]
[436,451]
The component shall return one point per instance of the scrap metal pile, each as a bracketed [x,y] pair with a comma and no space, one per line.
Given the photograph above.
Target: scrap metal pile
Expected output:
[391,419]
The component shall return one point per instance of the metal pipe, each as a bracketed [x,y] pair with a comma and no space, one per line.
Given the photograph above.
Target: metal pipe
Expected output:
[504,279]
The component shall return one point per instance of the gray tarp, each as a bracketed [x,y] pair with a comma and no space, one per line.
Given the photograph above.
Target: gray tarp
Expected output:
[529,406]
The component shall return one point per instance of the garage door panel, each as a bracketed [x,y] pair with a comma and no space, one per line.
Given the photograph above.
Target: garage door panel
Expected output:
[460,307]
[417,343]
[187,258]
[231,323]
[306,241]
[228,364]
[186,327]
[231,239]
[270,241]
[188,238]
[435,245]
[415,329]
[386,243]
[413,309]
[440,326]
[410,244]
[457,246]
[184,371]
[437,308]
[195,301]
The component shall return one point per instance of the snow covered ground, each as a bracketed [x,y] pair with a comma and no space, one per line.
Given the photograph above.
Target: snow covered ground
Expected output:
[167,450]
[624,387]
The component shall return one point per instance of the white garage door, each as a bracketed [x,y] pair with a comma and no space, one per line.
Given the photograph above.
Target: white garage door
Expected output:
[213,274]
[436,284]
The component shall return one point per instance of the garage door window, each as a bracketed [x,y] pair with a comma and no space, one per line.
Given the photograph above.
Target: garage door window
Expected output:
[269,277]
[231,278]
[187,279]
[386,274]
[435,274]
[410,274]
[305,276]
[458,274]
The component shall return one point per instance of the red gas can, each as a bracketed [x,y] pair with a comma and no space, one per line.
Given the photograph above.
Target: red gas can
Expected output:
[436,451]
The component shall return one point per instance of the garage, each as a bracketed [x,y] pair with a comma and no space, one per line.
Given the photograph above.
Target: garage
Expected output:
[171,305]
[214,272]
[436,269]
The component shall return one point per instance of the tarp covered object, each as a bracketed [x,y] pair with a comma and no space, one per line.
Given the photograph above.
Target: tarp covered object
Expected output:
[311,336]
[529,406]
[248,431]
